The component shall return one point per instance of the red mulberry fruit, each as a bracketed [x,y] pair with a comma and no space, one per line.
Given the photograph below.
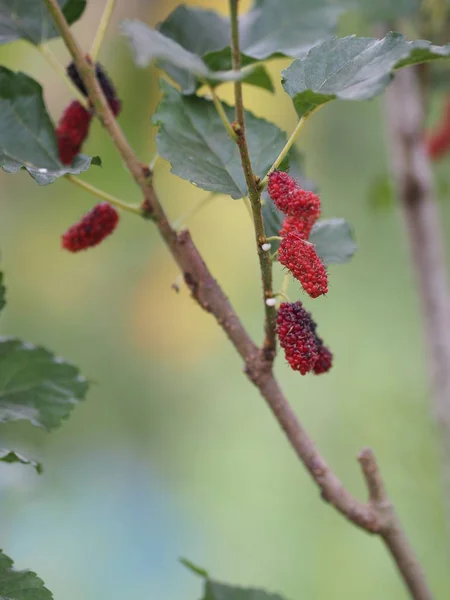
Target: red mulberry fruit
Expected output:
[93,228]
[299,224]
[72,130]
[291,199]
[325,361]
[105,83]
[303,262]
[297,338]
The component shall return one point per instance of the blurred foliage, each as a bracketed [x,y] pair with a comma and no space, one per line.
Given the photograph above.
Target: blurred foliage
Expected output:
[174,453]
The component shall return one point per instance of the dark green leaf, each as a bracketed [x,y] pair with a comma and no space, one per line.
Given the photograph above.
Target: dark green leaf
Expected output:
[20,585]
[352,68]
[30,20]
[333,240]
[206,34]
[194,568]
[271,28]
[35,385]
[81,163]
[2,292]
[148,45]
[219,591]
[9,456]
[27,134]
[193,139]
[286,27]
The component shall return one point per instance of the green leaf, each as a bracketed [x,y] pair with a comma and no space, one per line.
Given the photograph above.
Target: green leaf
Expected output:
[30,20]
[333,240]
[2,293]
[27,133]
[20,585]
[219,591]
[193,139]
[286,27]
[9,456]
[213,590]
[271,28]
[148,45]
[80,163]
[352,68]
[35,385]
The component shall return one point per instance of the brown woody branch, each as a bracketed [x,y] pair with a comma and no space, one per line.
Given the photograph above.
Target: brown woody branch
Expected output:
[373,516]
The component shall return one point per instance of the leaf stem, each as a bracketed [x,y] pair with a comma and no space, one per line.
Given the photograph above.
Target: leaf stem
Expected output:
[273,238]
[102,27]
[197,207]
[286,280]
[103,195]
[222,114]
[294,135]
[254,194]
[54,63]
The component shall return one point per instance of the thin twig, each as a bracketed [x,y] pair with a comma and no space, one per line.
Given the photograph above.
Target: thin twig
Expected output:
[222,114]
[104,195]
[206,291]
[102,27]
[391,531]
[254,193]
[285,151]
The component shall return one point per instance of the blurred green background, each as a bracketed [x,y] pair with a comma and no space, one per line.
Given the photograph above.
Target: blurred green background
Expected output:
[174,453]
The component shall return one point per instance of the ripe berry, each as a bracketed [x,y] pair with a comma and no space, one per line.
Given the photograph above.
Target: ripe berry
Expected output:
[299,224]
[325,360]
[291,199]
[72,130]
[296,335]
[93,228]
[303,262]
[105,83]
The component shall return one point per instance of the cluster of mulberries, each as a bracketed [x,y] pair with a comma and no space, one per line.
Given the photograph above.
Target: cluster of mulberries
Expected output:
[438,141]
[93,228]
[303,348]
[302,209]
[73,127]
